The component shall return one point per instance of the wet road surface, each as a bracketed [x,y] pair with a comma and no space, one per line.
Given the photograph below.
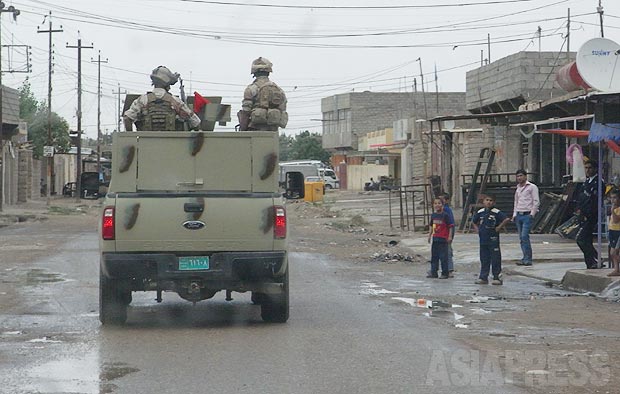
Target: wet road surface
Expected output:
[341,337]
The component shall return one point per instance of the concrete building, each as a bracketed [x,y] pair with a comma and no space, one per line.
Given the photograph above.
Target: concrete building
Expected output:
[522,81]
[355,118]
[19,179]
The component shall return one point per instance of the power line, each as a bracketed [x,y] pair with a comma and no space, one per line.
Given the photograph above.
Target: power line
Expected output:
[440,5]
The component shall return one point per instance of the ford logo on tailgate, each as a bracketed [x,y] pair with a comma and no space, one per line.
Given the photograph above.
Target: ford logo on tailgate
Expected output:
[193,224]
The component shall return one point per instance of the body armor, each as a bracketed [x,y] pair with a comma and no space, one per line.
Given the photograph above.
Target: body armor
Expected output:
[159,115]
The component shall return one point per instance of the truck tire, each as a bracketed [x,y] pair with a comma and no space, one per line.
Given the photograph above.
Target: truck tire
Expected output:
[274,308]
[257,298]
[112,301]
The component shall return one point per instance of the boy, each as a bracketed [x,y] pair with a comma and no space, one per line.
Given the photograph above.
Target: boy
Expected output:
[445,199]
[614,233]
[488,222]
[441,234]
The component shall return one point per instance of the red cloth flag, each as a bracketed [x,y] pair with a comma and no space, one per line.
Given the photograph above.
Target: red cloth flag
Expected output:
[199,102]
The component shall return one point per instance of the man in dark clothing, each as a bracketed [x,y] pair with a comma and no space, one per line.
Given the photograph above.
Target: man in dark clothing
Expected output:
[587,209]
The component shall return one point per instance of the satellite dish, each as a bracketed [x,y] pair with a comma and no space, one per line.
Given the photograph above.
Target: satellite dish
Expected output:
[598,62]
[448,124]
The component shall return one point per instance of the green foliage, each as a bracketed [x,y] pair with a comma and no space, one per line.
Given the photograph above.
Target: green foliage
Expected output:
[306,146]
[28,104]
[37,132]
[285,147]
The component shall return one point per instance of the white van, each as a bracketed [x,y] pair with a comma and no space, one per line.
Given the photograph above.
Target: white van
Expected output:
[311,168]
[330,178]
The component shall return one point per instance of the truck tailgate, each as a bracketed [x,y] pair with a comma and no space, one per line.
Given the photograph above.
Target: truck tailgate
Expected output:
[228,222]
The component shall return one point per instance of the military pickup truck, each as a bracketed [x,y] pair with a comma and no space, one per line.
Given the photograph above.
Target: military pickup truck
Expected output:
[194,213]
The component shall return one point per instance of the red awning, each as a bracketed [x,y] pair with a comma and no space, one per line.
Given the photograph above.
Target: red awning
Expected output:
[582,133]
[568,133]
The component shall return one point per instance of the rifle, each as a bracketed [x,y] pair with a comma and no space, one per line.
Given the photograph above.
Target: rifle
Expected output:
[184,99]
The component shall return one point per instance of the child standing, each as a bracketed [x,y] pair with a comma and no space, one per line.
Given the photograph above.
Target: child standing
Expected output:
[614,233]
[488,221]
[441,234]
[445,199]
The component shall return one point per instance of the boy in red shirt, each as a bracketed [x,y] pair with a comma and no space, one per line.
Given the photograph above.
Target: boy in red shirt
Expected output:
[441,234]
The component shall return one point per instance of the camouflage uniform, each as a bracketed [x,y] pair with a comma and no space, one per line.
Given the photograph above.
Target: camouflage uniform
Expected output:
[264,103]
[158,110]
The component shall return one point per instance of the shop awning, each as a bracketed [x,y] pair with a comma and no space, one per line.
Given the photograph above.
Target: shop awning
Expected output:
[600,132]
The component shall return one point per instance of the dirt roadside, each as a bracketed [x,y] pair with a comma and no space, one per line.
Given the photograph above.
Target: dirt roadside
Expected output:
[546,340]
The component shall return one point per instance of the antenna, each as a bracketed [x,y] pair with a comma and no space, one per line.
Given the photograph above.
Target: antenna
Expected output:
[598,64]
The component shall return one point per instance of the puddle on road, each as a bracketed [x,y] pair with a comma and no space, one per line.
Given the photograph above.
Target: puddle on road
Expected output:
[81,375]
[36,276]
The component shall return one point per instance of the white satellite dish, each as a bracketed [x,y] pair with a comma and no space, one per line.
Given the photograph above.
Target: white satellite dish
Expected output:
[598,63]
[449,124]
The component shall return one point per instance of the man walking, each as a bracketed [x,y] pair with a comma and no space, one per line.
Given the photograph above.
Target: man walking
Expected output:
[526,206]
[587,209]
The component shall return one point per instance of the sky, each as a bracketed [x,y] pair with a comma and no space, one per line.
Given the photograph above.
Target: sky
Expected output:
[318,48]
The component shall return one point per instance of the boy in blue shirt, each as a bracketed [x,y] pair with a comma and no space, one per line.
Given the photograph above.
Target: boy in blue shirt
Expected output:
[488,222]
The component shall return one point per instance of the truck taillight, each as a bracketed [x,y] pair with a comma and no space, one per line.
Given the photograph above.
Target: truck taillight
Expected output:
[107,224]
[279,228]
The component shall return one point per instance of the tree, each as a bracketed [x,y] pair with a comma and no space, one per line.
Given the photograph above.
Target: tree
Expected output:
[28,104]
[285,146]
[37,132]
[308,146]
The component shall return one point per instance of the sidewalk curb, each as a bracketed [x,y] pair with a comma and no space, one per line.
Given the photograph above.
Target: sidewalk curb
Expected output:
[585,280]
[511,271]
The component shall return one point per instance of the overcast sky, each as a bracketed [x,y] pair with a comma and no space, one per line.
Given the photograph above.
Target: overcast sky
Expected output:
[319,48]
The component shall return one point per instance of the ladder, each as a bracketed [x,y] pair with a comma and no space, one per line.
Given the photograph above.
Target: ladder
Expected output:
[487,155]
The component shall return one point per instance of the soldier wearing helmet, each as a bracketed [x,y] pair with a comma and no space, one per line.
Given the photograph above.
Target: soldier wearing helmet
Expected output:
[159,110]
[264,103]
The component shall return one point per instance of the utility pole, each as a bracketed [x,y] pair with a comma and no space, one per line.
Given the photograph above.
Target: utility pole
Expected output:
[436,89]
[568,36]
[426,110]
[50,142]
[539,33]
[99,61]
[78,181]
[118,107]
[600,11]
[489,47]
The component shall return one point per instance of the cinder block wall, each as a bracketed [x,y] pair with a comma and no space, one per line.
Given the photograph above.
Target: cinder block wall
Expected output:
[529,75]
[24,176]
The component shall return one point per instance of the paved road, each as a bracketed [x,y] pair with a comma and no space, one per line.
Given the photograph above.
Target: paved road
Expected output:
[338,339]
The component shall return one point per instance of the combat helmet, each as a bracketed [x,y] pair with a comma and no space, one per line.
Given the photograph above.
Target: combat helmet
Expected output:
[162,76]
[261,64]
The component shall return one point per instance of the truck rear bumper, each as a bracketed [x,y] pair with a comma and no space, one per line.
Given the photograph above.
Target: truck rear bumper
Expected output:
[223,266]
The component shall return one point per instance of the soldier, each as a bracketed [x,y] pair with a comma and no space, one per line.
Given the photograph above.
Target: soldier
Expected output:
[158,110]
[264,103]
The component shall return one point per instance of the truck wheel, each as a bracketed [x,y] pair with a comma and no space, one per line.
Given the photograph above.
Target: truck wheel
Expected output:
[257,298]
[113,301]
[328,187]
[274,307]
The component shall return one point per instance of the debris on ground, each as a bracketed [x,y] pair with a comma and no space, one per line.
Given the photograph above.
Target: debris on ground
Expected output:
[393,257]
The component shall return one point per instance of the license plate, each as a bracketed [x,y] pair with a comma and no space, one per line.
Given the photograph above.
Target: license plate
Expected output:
[193,263]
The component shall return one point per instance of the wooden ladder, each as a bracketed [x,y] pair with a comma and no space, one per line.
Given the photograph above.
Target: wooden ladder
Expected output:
[487,155]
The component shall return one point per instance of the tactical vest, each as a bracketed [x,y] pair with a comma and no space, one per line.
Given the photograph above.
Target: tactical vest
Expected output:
[158,114]
[267,108]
